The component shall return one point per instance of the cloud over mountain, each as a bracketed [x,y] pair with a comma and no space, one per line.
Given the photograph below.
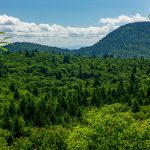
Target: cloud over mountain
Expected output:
[123,19]
[62,36]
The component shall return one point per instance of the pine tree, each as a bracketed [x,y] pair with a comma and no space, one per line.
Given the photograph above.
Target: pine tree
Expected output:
[148,91]
[148,70]
[95,99]
[18,126]
[27,53]
[35,91]
[6,121]
[97,82]
[80,71]
[66,59]
[12,109]
[135,106]
[121,92]
[12,87]
[53,60]
[133,77]
[10,139]
[134,70]
[16,94]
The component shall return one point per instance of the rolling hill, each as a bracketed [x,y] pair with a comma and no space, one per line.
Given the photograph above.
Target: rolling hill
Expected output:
[22,46]
[131,40]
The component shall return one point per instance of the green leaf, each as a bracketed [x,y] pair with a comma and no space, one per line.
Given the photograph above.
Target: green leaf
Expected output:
[4,49]
[2,33]
[6,38]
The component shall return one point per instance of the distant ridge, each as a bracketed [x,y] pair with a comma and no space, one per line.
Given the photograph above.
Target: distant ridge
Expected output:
[131,40]
[22,46]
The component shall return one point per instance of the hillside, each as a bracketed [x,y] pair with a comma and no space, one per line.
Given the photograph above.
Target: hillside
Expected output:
[131,40]
[22,46]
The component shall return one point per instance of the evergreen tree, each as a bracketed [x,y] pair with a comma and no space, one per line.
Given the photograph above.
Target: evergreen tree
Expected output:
[16,94]
[53,60]
[133,77]
[121,92]
[148,70]
[35,91]
[95,100]
[10,139]
[12,87]
[80,71]
[134,70]
[97,82]
[66,59]
[135,106]
[27,53]
[18,126]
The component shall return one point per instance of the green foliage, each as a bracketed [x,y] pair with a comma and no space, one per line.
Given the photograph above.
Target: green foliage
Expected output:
[112,127]
[3,41]
[49,138]
[47,100]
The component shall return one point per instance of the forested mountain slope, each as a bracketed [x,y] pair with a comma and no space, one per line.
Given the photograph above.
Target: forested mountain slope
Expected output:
[26,46]
[131,40]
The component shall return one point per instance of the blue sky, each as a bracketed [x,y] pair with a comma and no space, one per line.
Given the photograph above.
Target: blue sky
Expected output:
[72,12]
[79,14]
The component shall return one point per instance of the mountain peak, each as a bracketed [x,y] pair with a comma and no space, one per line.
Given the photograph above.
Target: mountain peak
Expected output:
[130,40]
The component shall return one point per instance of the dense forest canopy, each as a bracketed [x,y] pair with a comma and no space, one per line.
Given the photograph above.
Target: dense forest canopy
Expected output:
[59,101]
[74,75]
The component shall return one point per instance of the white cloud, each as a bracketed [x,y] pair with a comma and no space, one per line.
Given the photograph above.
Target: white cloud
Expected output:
[123,19]
[62,36]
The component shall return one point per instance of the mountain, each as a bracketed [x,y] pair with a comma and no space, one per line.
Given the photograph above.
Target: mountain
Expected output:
[131,40]
[22,46]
